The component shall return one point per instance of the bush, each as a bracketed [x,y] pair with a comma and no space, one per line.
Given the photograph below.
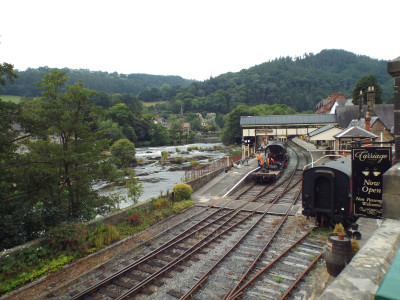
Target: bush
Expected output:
[194,163]
[133,218]
[103,236]
[164,155]
[179,160]
[68,237]
[182,191]
[161,203]
[124,150]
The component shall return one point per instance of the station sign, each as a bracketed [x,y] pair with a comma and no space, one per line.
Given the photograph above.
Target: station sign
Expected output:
[368,166]
[264,131]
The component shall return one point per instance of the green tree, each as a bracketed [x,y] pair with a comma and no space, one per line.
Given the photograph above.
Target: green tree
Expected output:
[362,85]
[232,132]
[52,181]
[124,151]
[7,72]
[111,130]
[135,188]
[159,135]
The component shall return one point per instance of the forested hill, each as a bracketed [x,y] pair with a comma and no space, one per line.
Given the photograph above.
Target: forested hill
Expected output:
[298,82]
[111,83]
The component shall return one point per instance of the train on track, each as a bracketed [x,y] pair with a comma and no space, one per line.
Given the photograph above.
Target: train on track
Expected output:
[327,193]
[274,161]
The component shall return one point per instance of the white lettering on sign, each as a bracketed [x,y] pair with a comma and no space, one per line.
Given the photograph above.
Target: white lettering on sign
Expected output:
[364,155]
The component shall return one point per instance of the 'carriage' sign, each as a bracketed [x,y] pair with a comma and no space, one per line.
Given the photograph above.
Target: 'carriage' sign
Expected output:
[368,166]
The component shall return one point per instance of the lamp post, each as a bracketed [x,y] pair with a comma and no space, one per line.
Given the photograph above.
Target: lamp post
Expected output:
[393,68]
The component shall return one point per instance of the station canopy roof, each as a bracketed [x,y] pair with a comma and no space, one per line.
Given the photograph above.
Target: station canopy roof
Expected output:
[276,120]
[320,130]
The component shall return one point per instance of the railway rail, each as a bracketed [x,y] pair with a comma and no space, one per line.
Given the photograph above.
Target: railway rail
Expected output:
[202,260]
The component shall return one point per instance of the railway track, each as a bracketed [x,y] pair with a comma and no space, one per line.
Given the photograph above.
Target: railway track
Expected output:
[221,252]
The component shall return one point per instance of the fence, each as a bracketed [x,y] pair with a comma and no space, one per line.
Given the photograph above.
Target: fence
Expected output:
[219,164]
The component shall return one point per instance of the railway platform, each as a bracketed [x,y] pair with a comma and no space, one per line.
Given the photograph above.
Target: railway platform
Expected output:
[215,190]
[378,246]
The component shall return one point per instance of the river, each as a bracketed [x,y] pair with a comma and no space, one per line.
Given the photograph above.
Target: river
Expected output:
[156,178]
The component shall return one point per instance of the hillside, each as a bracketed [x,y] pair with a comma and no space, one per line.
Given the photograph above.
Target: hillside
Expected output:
[297,82]
[111,83]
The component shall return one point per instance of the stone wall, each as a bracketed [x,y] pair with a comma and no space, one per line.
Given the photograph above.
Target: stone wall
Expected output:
[199,182]
[391,193]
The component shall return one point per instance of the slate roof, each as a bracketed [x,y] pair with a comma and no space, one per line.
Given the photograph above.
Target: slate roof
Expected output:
[321,129]
[345,114]
[355,132]
[288,119]
[361,122]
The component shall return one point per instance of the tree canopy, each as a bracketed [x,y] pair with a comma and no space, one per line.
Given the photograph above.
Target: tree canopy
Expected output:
[363,84]
[47,174]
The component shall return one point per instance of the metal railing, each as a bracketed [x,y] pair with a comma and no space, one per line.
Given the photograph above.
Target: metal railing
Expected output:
[225,162]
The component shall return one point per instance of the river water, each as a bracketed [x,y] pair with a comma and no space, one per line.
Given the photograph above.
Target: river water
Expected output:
[156,178]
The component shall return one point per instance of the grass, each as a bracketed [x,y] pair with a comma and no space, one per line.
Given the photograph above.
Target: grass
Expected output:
[10,98]
[320,234]
[32,263]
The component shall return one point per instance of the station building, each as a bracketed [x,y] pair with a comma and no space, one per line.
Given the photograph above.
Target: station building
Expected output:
[258,130]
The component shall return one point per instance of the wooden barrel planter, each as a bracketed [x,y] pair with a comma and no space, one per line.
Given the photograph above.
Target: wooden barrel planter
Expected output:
[337,254]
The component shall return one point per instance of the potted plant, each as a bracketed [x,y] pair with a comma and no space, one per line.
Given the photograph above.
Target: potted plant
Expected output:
[339,231]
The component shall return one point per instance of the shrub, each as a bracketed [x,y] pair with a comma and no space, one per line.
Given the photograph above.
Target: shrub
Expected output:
[354,246]
[182,191]
[179,160]
[161,203]
[103,235]
[133,218]
[194,163]
[67,237]
[164,155]
[124,150]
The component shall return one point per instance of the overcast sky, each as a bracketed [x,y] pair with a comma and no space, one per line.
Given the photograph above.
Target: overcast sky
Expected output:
[192,39]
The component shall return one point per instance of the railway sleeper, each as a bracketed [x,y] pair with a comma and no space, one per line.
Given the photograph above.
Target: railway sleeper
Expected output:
[175,293]
[124,283]
[287,277]
[296,265]
[165,257]
[147,269]
[308,249]
[110,291]
[137,276]
[156,263]
[300,259]
[211,294]
[264,294]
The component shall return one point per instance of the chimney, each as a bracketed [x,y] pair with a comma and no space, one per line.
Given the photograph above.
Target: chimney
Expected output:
[371,101]
[368,122]
[360,105]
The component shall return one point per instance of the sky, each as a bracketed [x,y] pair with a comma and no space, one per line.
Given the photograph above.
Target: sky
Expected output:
[195,39]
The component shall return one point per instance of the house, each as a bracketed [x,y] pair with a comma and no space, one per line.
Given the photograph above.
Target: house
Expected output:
[186,127]
[376,126]
[325,105]
[160,120]
[202,121]
[346,114]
